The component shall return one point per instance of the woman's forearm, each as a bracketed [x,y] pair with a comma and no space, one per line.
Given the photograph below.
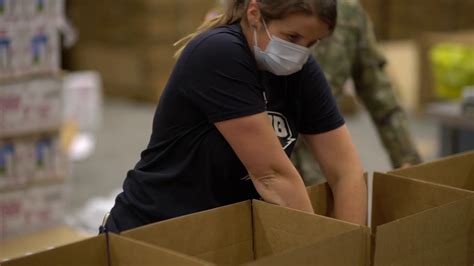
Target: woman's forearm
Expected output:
[284,191]
[350,200]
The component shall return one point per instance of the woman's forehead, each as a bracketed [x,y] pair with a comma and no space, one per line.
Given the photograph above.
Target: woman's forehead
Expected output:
[308,26]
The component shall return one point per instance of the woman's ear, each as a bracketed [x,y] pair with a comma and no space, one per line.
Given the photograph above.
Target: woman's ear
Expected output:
[253,14]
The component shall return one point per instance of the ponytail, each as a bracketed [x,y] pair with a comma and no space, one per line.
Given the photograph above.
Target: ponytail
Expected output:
[235,12]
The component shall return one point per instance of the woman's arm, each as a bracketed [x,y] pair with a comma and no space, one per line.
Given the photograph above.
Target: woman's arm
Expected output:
[341,165]
[271,171]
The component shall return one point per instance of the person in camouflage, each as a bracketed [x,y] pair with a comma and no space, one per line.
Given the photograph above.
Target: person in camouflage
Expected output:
[351,53]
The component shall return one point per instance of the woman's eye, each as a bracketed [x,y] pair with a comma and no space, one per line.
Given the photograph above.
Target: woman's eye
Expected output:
[292,38]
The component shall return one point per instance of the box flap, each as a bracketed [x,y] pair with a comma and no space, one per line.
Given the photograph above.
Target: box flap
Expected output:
[128,252]
[87,252]
[221,235]
[277,228]
[397,197]
[349,248]
[456,171]
[443,235]
[321,198]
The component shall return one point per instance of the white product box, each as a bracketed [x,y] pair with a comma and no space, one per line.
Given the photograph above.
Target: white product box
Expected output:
[45,208]
[11,10]
[24,163]
[48,159]
[7,166]
[32,160]
[49,9]
[82,98]
[9,49]
[12,213]
[43,54]
[31,106]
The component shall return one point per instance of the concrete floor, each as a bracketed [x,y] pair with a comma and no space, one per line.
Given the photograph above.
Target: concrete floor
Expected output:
[127,127]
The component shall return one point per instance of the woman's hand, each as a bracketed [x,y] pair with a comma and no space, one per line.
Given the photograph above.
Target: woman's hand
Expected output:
[340,163]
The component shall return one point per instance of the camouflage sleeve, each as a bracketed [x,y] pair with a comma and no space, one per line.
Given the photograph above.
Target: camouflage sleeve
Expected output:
[376,92]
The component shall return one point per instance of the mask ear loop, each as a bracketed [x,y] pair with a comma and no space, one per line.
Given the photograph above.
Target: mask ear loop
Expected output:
[255,42]
[266,29]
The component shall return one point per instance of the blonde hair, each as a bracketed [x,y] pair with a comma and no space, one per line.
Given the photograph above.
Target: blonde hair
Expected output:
[235,10]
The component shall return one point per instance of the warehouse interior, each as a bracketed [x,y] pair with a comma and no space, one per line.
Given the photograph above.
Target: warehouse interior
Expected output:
[81,80]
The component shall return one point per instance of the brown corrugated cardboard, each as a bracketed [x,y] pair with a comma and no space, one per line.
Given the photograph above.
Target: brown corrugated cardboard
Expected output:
[137,72]
[420,223]
[321,198]
[343,249]
[416,222]
[456,171]
[96,252]
[249,231]
[33,243]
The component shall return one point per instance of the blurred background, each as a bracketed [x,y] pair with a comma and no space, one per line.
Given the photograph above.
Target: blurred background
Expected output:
[80,80]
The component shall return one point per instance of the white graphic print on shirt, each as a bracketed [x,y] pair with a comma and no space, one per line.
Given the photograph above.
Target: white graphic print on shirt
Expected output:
[282,130]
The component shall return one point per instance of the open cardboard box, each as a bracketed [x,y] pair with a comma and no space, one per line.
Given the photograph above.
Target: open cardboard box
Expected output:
[455,171]
[102,250]
[258,233]
[415,222]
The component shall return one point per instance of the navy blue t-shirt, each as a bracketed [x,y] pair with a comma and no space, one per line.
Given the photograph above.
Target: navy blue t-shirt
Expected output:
[188,166]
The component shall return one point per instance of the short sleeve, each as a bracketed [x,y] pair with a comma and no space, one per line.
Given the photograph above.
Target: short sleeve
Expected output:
[221,78]
[319,112]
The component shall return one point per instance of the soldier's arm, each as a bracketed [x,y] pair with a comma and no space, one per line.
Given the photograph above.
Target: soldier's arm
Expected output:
[376,92]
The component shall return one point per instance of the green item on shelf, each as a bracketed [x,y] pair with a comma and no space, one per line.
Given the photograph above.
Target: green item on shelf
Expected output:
[453,69]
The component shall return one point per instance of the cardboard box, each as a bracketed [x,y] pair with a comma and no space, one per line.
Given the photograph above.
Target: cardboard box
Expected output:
[136,72]
[258,233]
[137,22]
[405,79]
[100,251]
[416,222]
[39,241]
[455,171]
[405,19]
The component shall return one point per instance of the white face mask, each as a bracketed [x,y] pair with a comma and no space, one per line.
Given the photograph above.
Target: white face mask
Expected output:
[281,58]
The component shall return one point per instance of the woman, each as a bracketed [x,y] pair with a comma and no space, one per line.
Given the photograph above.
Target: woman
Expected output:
[242,90]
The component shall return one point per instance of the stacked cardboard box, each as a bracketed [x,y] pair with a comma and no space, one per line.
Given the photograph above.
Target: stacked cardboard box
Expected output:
[404,19]
[130,42]
[32,165]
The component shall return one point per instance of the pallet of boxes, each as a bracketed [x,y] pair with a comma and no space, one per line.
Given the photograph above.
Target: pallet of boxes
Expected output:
[33,168]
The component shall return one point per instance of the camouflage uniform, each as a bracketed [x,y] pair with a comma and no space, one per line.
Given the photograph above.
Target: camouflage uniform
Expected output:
[351,52]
